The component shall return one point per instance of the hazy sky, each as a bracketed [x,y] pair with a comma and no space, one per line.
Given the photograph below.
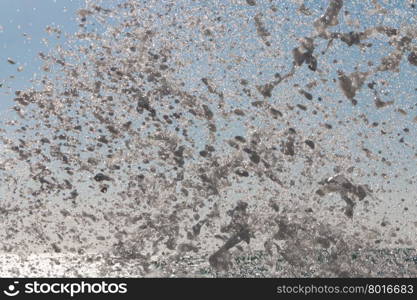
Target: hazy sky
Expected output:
[239,52]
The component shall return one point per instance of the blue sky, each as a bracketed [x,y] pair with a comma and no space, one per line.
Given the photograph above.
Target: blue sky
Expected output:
[22,30]
[22,35]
